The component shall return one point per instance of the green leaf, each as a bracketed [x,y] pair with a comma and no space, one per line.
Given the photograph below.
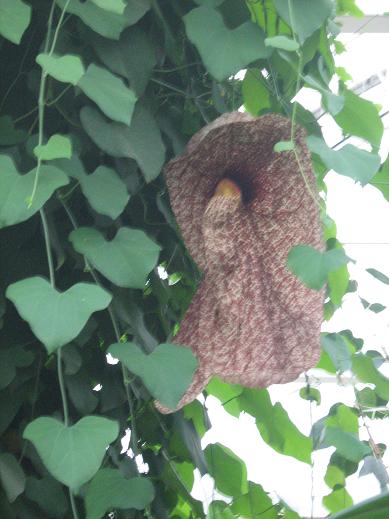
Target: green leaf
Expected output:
[348,7]
[367,397]
[378,275]
[224,51]
[9,135]
[109,92]
[114,6]
[334,476]
[134,57]
[10,359]
[12,477]
[381,179]
[332,102]
[364,368]
[15,17]
[15,190]
[341,431]
[227,394]
[256,503]
[109,489]
[219,510]
[360,117]
[57,147]
[311,394]
[196,413]
[350,161]
[126,260]
[103,188]
[283,146]
[344,417]
[81,394]
[302,17]
[255,94]
[312,266]
[335,345]
[107,23]
[227,469]
[72,454]
[282,42]
[338,282]
[56,318]
[337,500]
[68,68]
[275,426]
[166,372]
[48,494]
[377,308]
[209,3]
[374,508]
[141,141]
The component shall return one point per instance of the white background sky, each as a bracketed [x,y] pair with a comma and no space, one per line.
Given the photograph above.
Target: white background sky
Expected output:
[362,217]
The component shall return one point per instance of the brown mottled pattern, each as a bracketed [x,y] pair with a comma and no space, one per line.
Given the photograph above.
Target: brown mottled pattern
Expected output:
[251,322]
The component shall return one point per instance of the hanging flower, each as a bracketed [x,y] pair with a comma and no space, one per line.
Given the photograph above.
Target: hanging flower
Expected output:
[241,207]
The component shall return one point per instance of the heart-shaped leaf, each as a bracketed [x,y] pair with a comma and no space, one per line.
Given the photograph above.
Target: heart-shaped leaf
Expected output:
[56,318]
[9,135]
[15,190]
[57,147]
[103,188]
[114,6]
[336,347]
[10,359]
[313,266]
[12,477]
[15,17]
[275,426]
[126,260]
[300,14]
[256,499]
[381,179]
[333,103]
[338,500]
[282,42]
[142,141]
[72,454]
[48,494]
[255,93]
[109,92]
[134,57]
[228,470]
[366,371]
[106,22]
[224,51]
[110,489]
[68,68]
[360,117]
[350,161]
[166,372]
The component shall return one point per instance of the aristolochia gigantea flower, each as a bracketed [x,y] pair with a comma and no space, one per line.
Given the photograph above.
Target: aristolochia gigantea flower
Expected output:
[241,207]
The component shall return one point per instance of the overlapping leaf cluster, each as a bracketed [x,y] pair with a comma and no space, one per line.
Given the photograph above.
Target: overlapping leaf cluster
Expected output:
[95,96]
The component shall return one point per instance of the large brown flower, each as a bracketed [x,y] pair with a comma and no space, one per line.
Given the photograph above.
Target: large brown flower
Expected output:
[241,207]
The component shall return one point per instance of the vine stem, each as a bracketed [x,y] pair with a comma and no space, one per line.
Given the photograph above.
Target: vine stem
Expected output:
[59,351]
[126,381]
[294,110]
[46,233]
[373,445]
[42,87]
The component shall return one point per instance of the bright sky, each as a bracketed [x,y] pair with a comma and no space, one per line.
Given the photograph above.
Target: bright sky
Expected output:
[362,217]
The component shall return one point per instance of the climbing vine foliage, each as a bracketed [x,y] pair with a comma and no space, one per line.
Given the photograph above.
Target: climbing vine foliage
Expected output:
[96,96]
